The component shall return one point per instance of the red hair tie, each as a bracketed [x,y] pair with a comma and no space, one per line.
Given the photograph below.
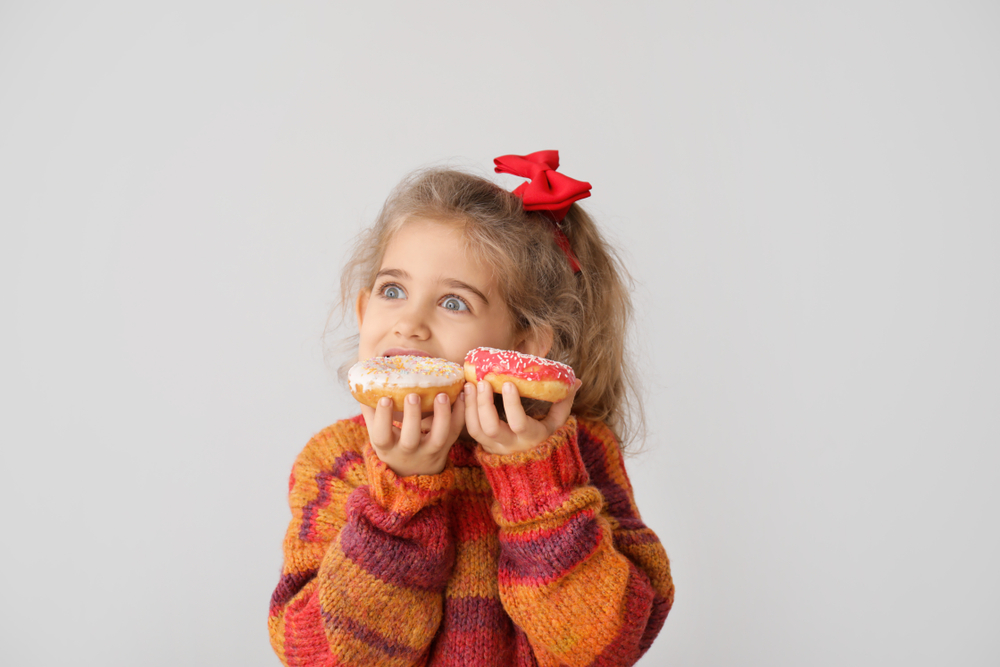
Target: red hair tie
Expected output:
[547,190]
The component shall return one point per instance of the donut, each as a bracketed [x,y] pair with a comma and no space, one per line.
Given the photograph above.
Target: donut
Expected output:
[534,377]
[396,377]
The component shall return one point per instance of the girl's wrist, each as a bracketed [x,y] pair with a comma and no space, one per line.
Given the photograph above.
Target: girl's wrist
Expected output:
[534,483]
[405,494]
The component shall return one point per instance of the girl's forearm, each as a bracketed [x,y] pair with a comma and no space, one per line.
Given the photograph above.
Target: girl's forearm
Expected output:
[367,556]
[579,572]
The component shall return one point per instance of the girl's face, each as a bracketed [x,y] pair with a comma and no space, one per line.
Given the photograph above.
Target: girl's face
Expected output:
[431,298]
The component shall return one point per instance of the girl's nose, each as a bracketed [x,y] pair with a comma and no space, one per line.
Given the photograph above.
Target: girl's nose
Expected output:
[413,324]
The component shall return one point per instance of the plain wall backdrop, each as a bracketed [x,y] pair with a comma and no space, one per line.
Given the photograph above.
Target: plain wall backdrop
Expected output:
[805,193]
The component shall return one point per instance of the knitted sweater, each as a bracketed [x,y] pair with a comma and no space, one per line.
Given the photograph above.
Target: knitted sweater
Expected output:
[536,558]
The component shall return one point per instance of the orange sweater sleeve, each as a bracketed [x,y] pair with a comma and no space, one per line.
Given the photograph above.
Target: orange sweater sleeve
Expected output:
[367,556]
[586,582]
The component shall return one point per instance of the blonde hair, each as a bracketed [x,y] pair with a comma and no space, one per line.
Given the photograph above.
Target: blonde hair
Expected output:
[589,313]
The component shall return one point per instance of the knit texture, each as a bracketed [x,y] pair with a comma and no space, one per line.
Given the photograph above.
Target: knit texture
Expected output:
[537,558]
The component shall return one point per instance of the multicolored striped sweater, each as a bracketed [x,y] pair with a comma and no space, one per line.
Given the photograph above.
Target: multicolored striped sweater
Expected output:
[537,558]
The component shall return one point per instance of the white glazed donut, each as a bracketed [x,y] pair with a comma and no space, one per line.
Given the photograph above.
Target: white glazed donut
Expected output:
[534,377]
[396,377]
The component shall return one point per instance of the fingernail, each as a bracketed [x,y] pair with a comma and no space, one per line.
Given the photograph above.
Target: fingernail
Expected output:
[412,399]
[442,398]
[508,387]
[468,387]
[384,401]
[483,385]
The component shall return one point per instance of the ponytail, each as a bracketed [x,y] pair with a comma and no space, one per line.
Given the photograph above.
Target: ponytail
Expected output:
[609,392]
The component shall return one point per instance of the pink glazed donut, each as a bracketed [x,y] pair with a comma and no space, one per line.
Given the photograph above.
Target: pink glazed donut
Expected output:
[534,377]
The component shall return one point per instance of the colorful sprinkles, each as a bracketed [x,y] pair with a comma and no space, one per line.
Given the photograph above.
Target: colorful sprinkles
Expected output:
[404,371]
[508,362]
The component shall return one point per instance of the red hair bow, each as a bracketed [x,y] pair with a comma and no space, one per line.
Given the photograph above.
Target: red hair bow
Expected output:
[548,190]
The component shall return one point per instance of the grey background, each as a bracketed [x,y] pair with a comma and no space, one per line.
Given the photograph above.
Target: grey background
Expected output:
[806,194]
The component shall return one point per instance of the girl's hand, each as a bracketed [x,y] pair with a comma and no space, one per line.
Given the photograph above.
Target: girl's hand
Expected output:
[521,432]
[421,445]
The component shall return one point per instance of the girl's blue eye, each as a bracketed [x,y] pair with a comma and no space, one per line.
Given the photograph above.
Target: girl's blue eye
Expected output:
[392,292]
[454,303]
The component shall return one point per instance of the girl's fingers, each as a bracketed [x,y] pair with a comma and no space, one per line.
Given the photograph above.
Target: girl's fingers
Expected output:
[471,412]
[409,434]
[517,420]
[379,423]
[441,421]
[559,412]
[456,420]
[489,420]
[369,414]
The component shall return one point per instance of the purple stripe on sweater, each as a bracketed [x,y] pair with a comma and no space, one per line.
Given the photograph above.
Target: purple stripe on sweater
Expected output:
[419,553]
[642,535]
[322,499]
[634,523]
[370,637]
[550,555]
[345,461]
[594,456]
[657,616]
[288,586]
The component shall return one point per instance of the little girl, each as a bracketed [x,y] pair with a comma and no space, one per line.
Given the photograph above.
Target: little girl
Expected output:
[485,532]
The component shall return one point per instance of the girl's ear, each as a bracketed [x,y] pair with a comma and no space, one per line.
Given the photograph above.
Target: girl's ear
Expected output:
[537,341]
[361,304]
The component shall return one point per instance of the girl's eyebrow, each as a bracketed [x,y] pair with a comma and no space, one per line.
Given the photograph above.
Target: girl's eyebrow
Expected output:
[458,284]
[393,273]
[449,282]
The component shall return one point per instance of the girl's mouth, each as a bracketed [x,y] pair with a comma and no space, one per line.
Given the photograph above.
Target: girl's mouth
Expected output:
[402,352]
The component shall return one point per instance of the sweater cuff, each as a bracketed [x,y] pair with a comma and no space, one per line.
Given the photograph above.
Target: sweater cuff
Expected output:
[405,495]
[533,484]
